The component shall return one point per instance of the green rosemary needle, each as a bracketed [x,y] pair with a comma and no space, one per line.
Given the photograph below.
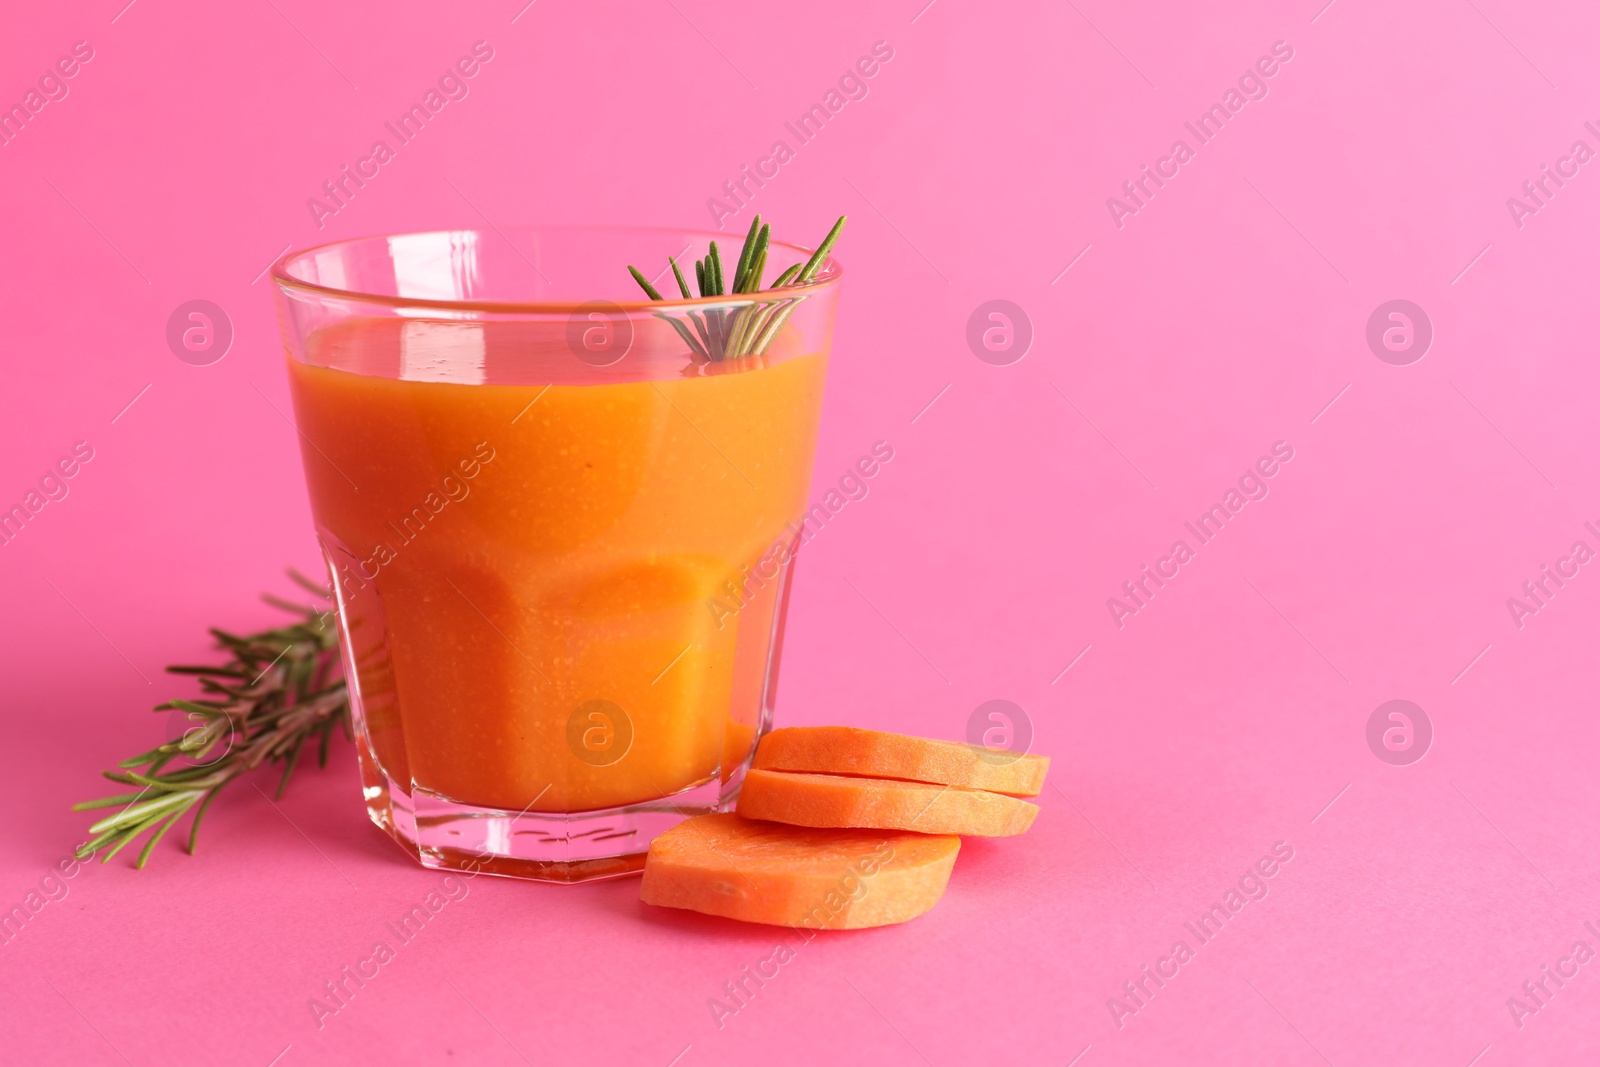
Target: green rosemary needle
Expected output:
[729,333]
[678,274]
[644,283]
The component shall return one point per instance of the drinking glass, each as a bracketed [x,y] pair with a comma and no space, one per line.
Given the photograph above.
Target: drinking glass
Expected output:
[560,523]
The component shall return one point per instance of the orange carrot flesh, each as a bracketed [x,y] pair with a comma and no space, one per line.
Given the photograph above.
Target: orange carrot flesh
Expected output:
[820,879]
[875,754]
[881,803]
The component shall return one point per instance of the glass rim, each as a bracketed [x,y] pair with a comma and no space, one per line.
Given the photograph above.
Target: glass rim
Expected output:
[828,276]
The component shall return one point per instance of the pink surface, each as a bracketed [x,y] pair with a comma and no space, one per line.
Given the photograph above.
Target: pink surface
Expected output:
[1228,714]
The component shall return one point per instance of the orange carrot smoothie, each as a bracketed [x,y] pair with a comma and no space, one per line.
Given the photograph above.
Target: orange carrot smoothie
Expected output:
[559,509]
[545,587]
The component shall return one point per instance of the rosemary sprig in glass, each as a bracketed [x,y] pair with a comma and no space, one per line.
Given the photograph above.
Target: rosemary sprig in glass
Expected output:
[722,334]
[279,690]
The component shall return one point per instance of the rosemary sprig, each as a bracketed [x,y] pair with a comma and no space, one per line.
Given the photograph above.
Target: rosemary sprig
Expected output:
[279,690]
[748,329]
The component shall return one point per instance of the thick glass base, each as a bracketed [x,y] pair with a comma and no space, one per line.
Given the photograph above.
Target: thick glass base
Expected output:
[567,847]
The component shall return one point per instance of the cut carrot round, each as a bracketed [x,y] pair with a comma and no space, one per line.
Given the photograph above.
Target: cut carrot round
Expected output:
[875,754]
[822,879]
[881,803]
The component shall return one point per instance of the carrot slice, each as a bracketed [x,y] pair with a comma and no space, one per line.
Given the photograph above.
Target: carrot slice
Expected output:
[763,872]
[881,803]
[875,754]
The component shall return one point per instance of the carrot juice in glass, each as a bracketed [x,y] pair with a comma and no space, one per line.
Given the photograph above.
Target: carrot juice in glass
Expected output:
[560,537]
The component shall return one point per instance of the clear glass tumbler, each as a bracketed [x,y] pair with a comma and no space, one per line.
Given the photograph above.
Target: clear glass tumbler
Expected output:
[560,522]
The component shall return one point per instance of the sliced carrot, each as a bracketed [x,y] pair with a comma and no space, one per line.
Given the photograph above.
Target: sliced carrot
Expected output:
[763,872]
[875,754]
[881,803]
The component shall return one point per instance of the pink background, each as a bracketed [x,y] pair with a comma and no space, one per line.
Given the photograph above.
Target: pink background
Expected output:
[1224,717]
